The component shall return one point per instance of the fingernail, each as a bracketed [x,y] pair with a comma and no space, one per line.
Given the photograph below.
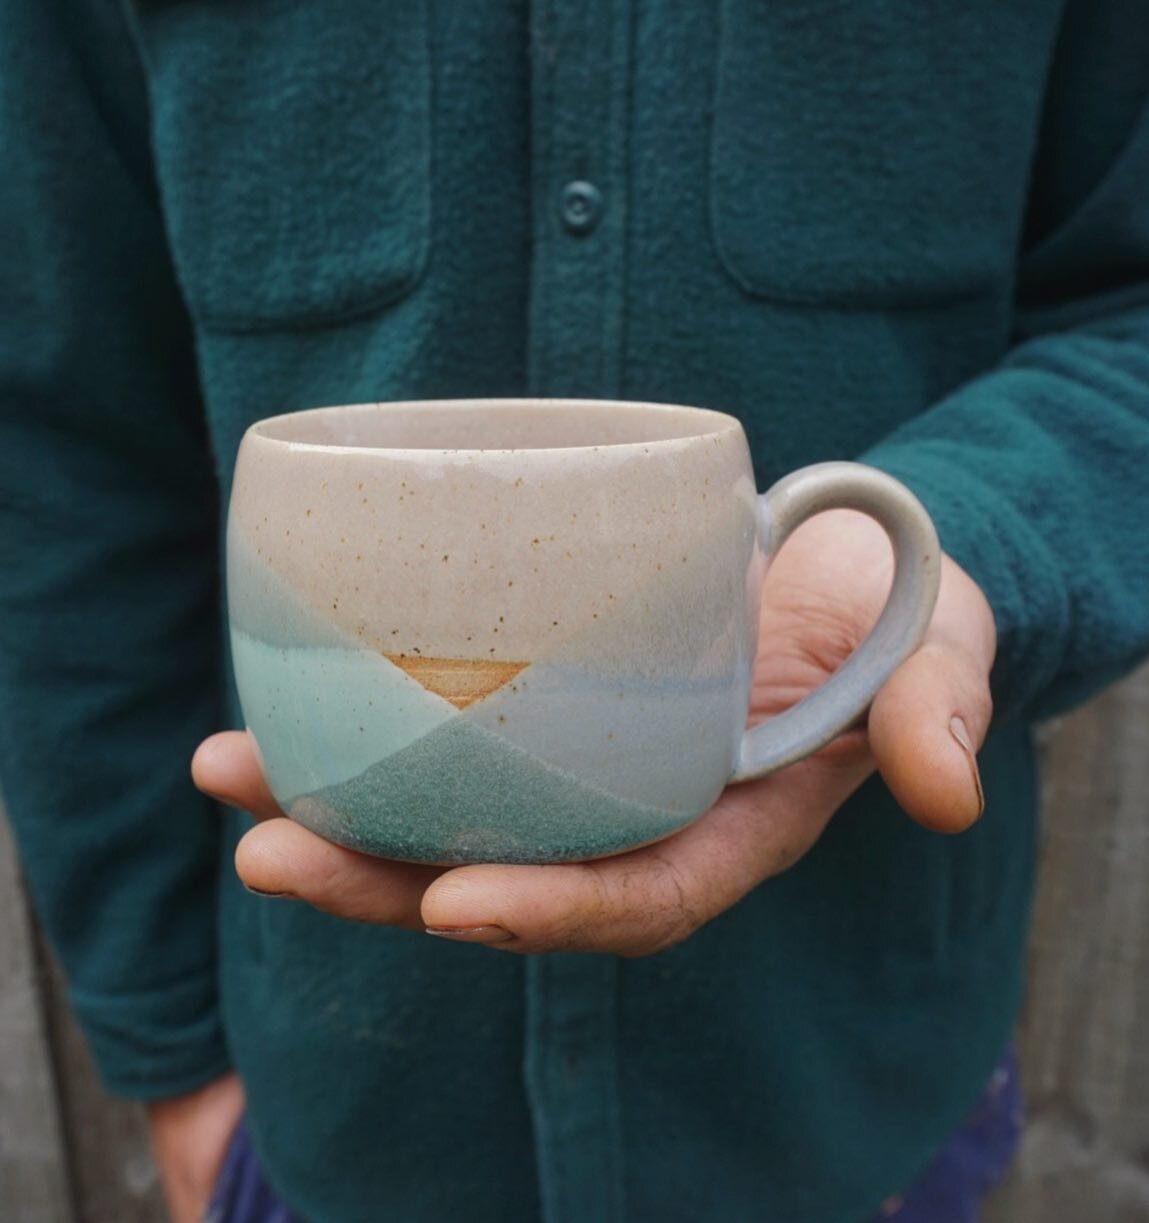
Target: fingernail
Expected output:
[961,734]
[472,934]
[270,895]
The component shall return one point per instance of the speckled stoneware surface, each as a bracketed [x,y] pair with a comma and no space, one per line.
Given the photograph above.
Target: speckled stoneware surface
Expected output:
[516,630]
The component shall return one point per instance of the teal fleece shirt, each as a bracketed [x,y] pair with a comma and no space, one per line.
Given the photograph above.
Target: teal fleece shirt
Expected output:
[916,234]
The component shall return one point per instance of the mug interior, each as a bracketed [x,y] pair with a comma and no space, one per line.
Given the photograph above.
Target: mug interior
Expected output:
[493,424]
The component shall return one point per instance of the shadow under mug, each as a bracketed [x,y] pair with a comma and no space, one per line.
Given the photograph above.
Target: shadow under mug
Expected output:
[525,630]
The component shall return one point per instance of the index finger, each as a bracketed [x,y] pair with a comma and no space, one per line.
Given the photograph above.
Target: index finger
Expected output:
[226,768]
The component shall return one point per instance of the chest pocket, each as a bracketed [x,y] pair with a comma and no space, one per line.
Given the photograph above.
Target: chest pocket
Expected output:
[870,154]
[292,145]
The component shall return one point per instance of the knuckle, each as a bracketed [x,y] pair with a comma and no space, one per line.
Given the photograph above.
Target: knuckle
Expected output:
[631,911]
[580,926]
[676,914]
[982,707]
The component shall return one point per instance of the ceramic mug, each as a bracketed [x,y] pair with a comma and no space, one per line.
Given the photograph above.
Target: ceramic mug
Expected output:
[525,630]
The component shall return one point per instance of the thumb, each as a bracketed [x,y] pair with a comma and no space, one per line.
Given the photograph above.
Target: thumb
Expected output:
[925,727]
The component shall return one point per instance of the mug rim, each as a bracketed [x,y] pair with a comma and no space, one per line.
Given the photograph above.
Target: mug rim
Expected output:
[722,423]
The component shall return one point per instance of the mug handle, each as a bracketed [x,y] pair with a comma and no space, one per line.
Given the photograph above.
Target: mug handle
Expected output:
[847,694]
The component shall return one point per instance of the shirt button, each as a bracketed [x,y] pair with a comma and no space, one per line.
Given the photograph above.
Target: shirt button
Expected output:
[581,207]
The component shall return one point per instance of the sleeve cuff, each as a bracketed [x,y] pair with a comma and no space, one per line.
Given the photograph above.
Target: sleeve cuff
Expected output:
[158,1043]
[995,542]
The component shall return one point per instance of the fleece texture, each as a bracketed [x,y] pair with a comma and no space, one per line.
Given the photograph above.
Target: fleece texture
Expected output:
[888,231]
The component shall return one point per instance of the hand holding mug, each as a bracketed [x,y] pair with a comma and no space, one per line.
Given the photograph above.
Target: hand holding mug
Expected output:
[824,592]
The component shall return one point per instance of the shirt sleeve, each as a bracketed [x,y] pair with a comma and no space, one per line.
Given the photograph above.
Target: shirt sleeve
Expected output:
[110,630]
[1037,473]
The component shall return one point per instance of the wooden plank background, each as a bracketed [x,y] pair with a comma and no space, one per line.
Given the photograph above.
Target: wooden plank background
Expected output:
[70,1155]
[1085,1052]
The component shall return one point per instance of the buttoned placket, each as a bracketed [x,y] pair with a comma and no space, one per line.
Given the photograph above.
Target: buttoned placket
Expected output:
[580,99]
[580,116]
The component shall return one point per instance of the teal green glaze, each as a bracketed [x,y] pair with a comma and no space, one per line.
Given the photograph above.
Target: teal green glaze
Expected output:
[914,234]
[463,794]
[322,715]
[363,755]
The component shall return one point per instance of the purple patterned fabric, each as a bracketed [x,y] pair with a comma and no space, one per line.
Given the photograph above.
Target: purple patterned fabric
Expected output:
[949,1191]
[241,1194]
